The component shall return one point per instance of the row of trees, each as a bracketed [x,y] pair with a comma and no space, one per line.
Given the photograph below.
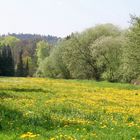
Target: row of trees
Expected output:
[104,52]
[23,48]
[7,64]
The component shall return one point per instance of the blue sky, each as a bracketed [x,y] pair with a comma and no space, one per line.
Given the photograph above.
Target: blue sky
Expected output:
[61,17]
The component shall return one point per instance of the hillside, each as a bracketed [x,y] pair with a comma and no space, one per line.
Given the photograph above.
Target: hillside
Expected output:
[51,39]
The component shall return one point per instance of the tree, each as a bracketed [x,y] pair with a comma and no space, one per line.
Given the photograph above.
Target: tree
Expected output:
[0,62]
[79,56]
[6,62]
[20,66]
[26,72]
[131,68]
[54,66]
[109,53]
[43,50]
[10,63]
[74,57]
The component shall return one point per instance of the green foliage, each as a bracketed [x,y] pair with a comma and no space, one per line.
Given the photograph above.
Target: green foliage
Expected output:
[43,50]
[22,69]
[9,40]
[80,55]
[131,66]
[53,66]
[20,66]
[104,52]
[6,62]
[108,51]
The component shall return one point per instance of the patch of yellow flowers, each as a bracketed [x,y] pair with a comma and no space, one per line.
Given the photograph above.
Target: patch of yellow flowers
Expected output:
[29,135]
[73,103]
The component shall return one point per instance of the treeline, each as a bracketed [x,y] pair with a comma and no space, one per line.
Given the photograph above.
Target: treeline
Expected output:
[18,56]
[7,64]
[104,52]
[50,39]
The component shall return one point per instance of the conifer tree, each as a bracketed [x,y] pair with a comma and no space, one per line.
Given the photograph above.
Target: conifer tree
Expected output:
[6,62]
[10,63]
[27,68]
[20,65]
[0,63]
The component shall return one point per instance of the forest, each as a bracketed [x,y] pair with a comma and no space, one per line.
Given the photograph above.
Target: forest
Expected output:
[103,52]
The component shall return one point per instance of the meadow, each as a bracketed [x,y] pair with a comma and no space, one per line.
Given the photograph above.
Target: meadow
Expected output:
[50,109]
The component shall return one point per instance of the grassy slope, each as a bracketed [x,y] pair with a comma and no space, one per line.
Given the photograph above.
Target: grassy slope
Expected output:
[68,110]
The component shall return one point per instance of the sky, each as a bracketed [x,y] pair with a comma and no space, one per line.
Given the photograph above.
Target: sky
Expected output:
[61,17]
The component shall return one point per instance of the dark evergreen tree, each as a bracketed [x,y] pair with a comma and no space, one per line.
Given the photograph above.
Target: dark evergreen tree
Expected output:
[6,62]
[20,65]
[0,63]
[26,71]
[10,63]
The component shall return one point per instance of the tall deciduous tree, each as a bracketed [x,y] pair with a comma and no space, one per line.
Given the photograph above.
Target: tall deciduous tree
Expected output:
[132,51]
[43,50]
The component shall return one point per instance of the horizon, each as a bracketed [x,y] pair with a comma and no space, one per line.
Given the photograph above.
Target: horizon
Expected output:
[62,17]
[11,34]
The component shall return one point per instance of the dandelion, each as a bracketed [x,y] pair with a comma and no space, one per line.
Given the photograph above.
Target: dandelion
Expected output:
[104,126]
[52,139]
[29,135]
[94,134]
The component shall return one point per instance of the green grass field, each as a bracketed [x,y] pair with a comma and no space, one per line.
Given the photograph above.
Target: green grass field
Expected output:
[48,109]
